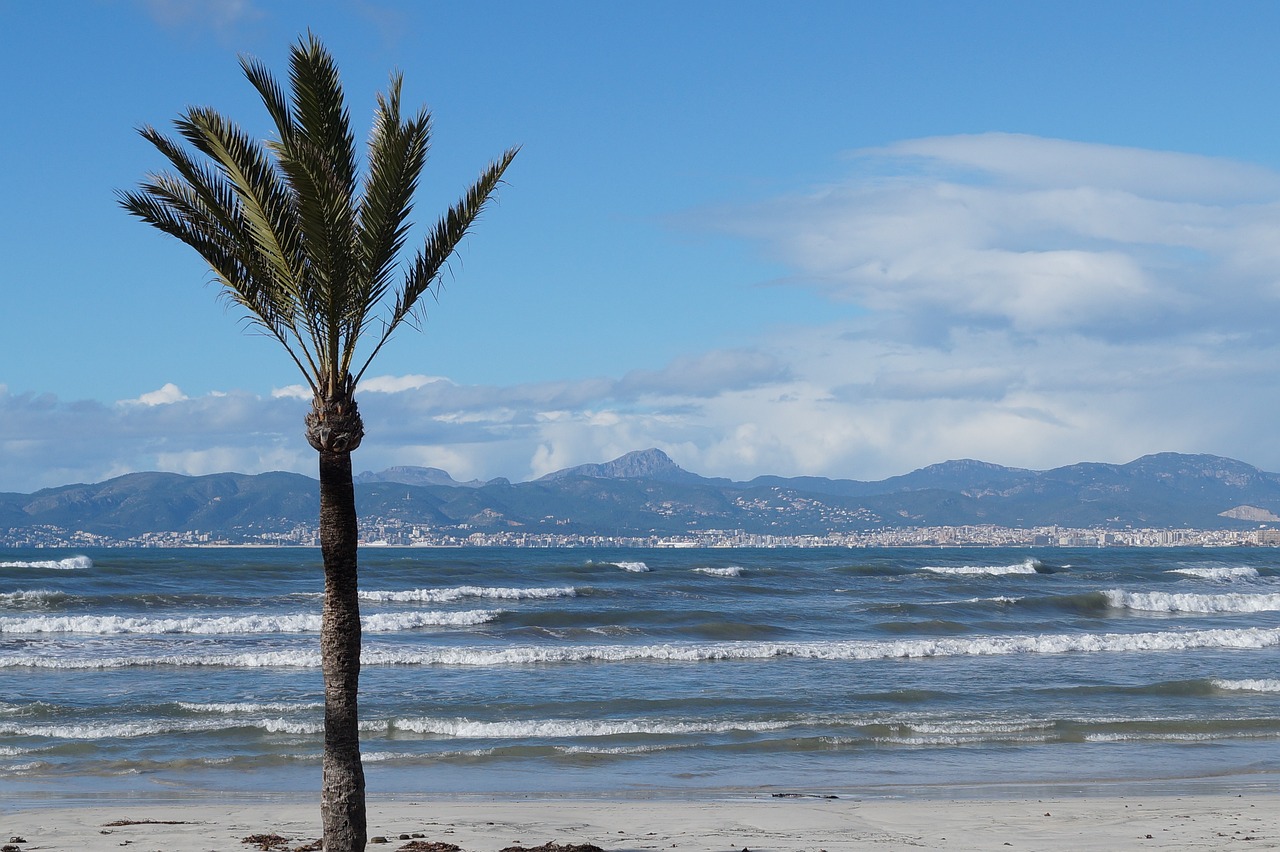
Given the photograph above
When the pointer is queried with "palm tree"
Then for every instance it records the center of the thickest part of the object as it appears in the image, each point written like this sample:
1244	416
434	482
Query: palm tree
310	249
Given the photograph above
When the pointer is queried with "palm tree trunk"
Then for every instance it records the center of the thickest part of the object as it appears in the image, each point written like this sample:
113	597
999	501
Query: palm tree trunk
342	808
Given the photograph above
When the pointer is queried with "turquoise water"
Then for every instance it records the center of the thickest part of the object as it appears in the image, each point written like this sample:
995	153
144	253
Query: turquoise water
180	672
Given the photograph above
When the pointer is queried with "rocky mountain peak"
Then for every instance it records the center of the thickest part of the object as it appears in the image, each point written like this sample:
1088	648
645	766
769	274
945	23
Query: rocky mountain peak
638	464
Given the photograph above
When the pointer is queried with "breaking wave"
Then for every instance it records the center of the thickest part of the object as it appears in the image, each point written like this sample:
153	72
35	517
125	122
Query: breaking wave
1029	566
634	567
1166	602
249	707
1225	574
454	594
556	728
1268	685
31	598
133	730
107	730
731	571
249	624
71	563
1253	638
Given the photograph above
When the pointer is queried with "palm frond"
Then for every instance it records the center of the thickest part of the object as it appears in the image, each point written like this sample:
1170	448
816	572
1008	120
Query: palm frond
397	154
265	202
204	197
439	247
295	236
171	205
273	96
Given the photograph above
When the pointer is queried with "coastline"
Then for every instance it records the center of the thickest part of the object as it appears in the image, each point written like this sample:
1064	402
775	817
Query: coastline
1120	819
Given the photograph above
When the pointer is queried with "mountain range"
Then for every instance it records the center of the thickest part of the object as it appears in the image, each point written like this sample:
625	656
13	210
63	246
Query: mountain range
646	493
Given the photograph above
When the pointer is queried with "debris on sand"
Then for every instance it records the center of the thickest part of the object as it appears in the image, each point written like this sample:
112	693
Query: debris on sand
429	846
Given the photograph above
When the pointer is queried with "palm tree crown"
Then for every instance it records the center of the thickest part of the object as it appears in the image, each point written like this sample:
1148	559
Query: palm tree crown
294	234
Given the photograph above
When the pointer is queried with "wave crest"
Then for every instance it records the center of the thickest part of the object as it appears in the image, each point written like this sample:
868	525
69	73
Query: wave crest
249	624
460	592
71	563
558	728
1253	638
1028	566
1167	602
1251	685
1221	574
731	571
31	598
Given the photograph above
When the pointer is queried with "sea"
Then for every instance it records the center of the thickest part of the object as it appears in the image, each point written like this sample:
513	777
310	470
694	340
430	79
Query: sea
190	673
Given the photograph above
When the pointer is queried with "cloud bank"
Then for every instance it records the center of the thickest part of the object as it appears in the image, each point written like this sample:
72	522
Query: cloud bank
1027	301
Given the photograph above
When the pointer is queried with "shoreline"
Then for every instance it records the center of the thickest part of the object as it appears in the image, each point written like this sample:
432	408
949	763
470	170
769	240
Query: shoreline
187	791
758	822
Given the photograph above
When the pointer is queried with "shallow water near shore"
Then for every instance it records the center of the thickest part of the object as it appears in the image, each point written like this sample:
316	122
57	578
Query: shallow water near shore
510	671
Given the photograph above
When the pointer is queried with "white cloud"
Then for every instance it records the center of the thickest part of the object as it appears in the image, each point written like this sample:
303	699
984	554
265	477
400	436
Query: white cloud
397	384
292	392
167	395
1034	235
219	459
1037	161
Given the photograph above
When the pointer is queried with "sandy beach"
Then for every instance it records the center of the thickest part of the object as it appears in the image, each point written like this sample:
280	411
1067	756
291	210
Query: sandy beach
1248	820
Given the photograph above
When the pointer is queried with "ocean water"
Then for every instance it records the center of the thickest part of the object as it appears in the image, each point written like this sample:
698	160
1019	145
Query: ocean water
196	671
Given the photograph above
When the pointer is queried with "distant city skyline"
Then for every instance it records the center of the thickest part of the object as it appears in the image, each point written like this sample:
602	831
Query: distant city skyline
836	239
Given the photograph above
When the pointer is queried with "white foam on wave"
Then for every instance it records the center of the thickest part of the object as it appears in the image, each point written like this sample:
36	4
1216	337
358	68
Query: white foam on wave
71	563
605	750
554	728
379	756
1253	638
287	726
1248	685
975	726
1175	737
954	739
1000	599
731	571
1028	566
633	567
31	598
1221	574
247	624
1167	602
249	707
163	727
27	767
107	730
454	594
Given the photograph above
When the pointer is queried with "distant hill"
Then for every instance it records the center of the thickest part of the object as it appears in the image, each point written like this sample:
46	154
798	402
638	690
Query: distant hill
651	464
416	476
647	493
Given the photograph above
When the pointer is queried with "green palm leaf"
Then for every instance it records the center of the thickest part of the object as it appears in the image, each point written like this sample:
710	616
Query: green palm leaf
308	247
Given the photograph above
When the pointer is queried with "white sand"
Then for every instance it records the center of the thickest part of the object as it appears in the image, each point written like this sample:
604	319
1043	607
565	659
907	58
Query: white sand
1216	821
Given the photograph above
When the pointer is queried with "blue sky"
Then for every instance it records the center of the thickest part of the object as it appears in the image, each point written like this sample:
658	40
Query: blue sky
834	238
